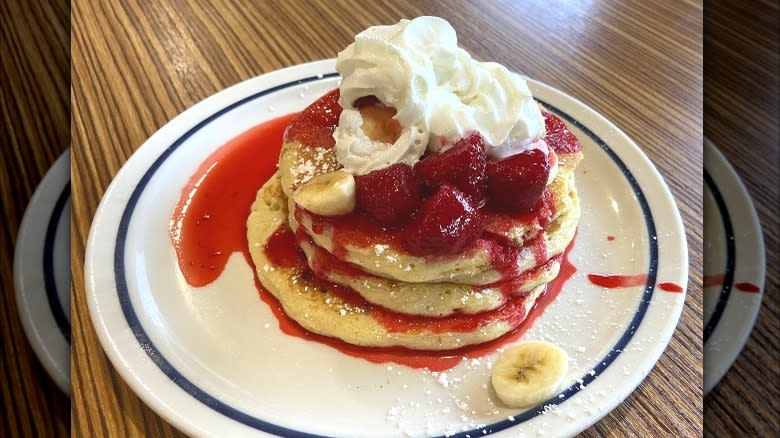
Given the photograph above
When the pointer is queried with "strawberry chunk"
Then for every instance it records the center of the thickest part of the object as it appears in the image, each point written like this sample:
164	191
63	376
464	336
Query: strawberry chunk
446	223
462	166
517	182
558	136
388	195
314	126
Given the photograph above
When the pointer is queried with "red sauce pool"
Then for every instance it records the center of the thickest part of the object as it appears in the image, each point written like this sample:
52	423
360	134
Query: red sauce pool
209	224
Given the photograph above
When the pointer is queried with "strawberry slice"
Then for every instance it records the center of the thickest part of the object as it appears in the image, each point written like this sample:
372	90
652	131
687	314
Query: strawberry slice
558	136
446	223
388	195
517	182
463	166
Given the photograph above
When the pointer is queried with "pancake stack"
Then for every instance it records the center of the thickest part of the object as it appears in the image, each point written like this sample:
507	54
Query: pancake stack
348	277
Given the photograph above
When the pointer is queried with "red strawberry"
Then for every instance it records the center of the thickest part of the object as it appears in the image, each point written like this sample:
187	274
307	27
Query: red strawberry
388	195
558	137
463	166
517	182
446	223
314	126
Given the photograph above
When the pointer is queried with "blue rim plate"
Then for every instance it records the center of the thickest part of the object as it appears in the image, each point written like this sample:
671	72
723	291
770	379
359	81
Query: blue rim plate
42	271
212	360
733	254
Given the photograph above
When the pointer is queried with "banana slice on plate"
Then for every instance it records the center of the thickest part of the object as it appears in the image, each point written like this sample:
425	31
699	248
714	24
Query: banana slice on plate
328	194
529	373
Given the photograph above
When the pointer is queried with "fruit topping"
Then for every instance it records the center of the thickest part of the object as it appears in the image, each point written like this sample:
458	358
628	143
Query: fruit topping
327	194
446	223
529	373
388	195
516	183
314	126
463	165
558	136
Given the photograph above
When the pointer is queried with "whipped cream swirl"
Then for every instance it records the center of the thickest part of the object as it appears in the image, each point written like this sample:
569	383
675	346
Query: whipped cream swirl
437	89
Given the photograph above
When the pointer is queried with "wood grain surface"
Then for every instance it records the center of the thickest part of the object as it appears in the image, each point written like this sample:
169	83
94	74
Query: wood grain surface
136	65
35	131
742	112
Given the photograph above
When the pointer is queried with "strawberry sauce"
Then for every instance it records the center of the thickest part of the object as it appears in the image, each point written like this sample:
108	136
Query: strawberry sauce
748	287
717	280
209	221
613	281
617	281
670	287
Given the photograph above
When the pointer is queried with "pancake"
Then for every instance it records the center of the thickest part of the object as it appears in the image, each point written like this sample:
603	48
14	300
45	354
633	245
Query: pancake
325	310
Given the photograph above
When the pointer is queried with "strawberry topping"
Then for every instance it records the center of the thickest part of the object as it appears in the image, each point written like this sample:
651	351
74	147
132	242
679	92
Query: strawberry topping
516	183
463	166
446	223
314	126
558	136
388	195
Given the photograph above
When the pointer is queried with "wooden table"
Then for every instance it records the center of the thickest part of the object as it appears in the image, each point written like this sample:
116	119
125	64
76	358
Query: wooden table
741	119
136	65
35	130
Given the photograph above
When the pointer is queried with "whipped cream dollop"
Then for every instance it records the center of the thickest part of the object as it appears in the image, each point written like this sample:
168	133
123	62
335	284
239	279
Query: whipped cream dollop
437	89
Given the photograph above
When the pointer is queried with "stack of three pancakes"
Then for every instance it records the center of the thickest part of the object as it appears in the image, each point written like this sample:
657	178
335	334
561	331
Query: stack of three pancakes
353	280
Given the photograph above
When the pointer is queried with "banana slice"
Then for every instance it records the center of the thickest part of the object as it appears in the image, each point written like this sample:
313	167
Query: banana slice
529	373
327	194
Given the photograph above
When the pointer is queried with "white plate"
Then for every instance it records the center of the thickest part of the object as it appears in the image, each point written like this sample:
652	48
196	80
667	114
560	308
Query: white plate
733	249
42	271
212	361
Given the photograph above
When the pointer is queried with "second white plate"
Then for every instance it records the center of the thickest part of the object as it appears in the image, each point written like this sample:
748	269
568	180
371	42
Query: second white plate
42	271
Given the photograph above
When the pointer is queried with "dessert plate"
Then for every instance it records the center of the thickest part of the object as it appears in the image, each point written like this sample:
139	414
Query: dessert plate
42	271
733	265
213	360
